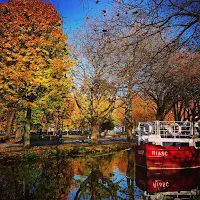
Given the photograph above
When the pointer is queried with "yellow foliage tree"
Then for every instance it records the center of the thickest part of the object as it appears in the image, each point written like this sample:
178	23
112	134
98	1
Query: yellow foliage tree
34	55
96	103
143	110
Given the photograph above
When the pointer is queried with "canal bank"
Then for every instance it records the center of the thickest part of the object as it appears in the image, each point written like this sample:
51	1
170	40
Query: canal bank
73	149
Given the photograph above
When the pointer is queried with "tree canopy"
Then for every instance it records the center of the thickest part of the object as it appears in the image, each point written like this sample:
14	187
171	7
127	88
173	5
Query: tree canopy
34	54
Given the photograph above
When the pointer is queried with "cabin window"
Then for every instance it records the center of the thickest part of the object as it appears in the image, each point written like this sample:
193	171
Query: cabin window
184	144
176	144
167	143
197	144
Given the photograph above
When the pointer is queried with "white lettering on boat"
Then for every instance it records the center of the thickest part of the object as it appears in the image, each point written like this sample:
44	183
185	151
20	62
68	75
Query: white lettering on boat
160	184
141	152
159	153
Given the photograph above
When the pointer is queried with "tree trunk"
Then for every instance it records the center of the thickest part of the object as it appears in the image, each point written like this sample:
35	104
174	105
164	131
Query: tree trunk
9	123
55	118
27	129
128	116
160	115
95	132
178	109
55	128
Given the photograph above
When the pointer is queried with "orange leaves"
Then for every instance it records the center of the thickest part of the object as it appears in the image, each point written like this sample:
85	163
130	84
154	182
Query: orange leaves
35	72
8	45
33	47
143	110
186	65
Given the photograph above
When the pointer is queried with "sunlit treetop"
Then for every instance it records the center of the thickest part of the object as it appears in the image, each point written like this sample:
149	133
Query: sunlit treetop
22	13
33	52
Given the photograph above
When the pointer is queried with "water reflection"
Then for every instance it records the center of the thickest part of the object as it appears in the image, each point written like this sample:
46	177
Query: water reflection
45	180
168	184
96	186
109	177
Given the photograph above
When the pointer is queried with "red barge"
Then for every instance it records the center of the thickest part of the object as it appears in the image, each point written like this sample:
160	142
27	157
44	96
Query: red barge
167	145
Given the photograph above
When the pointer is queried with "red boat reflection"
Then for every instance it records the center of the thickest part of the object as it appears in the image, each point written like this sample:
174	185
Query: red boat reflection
182	184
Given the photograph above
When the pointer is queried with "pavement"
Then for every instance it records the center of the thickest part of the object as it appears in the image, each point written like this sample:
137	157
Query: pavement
18	143
88	140
11	143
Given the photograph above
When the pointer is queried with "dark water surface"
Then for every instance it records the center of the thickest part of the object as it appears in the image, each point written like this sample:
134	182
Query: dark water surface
107	177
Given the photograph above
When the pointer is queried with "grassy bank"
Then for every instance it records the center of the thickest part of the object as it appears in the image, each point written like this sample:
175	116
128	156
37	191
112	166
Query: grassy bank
62	150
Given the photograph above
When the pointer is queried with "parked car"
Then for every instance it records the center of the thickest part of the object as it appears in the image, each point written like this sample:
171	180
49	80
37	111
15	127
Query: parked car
2	136
74	132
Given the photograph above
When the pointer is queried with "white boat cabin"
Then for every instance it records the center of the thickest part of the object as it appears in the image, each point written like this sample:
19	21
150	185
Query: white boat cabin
168	133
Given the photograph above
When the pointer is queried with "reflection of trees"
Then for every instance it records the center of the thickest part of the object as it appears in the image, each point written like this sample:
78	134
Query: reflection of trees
130	174
7	181
104	180
50	179
55	180
16	180
96	186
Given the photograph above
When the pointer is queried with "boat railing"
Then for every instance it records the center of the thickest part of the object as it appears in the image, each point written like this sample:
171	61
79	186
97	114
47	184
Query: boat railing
166	129
191	194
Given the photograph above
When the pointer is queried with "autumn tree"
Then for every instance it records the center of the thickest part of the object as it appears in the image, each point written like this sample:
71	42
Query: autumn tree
179	18
97	86
161	86
95	99
3	121
180	22
125	52
34	55
167	27
188	104
143	110
56	112
172	83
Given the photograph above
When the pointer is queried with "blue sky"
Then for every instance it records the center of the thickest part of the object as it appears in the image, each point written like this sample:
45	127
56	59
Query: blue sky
74	12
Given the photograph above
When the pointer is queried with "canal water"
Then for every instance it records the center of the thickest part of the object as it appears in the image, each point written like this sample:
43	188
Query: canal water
113	176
